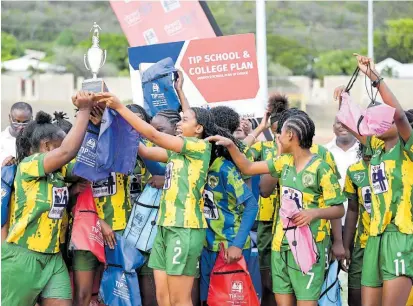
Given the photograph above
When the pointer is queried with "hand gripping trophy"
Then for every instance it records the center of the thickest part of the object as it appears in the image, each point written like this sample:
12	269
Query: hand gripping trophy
94	60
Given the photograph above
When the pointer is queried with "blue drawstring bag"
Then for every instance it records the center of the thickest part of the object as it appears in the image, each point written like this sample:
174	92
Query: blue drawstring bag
158	87
120	285
85	165
141	228
7	179
330	292
117	145
254	265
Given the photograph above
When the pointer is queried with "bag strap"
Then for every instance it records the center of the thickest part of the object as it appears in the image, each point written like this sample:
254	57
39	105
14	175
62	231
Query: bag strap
157	78
352	80
333	284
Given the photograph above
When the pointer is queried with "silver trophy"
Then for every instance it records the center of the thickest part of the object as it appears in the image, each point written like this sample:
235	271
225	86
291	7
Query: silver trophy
94	60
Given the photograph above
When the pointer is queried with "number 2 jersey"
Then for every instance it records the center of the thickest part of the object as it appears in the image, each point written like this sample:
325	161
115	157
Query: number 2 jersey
40	202
224	195
182	204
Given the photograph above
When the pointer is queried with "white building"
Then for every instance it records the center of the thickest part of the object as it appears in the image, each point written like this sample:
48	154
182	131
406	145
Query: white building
395	69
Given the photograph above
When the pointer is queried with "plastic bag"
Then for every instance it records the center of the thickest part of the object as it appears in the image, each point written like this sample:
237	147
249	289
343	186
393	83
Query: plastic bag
141	228
117	145
7	179
85	165
158	87
86	230
300	239
119	285
231	284
330	292
375	120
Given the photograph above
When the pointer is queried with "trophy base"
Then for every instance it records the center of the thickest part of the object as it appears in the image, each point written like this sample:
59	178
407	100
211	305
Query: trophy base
94	85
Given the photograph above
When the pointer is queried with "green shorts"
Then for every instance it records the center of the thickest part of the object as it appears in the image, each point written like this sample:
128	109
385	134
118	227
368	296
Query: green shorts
85	260
264	240
177	250
354	271
288	279
25	274
387	257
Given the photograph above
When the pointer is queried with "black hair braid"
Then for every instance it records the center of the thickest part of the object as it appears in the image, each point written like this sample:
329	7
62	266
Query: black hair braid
304	127
60	120
205	118
171	115
226	118
29	139
360	151
287	114
137	109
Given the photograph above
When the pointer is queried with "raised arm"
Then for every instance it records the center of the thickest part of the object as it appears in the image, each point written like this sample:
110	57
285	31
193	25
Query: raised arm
178	87
244	165
252	137
163	140
367	66
59	157
153	153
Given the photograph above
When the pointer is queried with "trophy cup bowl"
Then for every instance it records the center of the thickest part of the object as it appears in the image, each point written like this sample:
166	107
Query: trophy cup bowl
94	59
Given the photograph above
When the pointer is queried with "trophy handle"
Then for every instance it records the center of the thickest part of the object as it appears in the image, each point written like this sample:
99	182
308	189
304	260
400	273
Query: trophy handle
84	60
103	59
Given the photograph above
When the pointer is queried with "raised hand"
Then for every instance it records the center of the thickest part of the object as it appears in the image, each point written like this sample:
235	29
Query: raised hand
109	99
179	82
366	66
83	100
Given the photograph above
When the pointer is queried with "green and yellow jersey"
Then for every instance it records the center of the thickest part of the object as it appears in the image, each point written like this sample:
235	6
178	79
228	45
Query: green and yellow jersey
40	203
357	187
316	186
327	156
391	180
263	151
112	199
224	195
182	204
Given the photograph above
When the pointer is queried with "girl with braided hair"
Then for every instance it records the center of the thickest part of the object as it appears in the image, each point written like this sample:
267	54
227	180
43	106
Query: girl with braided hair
230	207
32	248
387	269
308	180
181	224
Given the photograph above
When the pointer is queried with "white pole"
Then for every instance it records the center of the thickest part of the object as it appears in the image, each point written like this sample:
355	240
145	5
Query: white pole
370	29
261	29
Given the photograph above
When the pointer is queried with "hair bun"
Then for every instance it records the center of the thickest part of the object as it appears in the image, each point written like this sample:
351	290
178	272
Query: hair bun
43	118
60	116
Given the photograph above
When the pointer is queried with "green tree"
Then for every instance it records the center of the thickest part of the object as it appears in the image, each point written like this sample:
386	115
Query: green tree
10	47
116	46
396	41
289	53
336	62
66	38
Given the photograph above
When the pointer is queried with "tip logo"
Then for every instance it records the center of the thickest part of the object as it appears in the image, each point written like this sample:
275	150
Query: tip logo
91	143
237	287
155	87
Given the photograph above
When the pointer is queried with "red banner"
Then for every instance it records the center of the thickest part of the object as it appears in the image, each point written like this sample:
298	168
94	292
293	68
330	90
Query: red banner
163	21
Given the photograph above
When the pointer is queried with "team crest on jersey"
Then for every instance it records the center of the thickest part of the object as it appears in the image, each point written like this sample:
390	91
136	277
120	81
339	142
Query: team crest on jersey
359	177
308	179
213	181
